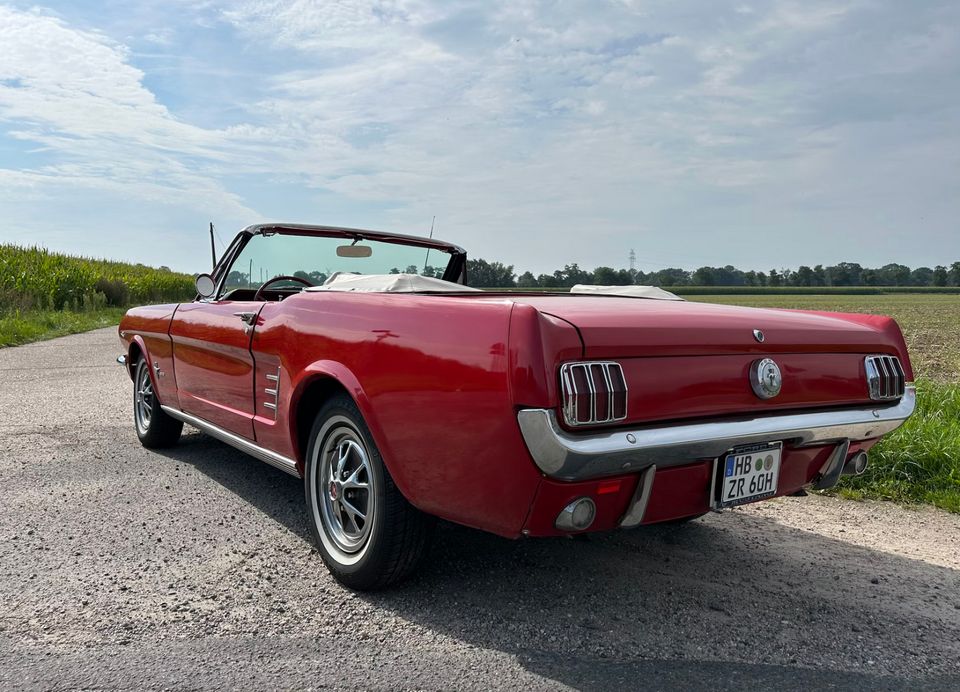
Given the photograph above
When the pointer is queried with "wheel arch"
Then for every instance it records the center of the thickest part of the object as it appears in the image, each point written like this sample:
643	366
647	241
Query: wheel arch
135	350
318	383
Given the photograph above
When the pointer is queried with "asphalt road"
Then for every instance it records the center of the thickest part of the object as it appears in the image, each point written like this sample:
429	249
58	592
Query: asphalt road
192	568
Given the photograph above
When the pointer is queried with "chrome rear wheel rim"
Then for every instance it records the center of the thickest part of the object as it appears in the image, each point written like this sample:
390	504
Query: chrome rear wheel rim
143	399
345	488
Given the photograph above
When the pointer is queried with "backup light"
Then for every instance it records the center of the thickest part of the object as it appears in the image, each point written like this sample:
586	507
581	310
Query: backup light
577	516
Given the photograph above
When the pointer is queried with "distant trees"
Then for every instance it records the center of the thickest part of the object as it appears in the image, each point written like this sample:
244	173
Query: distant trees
486	274
954	274
316	278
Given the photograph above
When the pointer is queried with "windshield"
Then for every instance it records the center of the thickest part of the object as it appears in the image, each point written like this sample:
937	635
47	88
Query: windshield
317	258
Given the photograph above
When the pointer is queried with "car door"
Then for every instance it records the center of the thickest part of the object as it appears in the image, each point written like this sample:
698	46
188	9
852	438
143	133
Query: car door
213	363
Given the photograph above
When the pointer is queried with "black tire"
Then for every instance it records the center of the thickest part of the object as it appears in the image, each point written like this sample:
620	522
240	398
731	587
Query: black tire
154	427
367	533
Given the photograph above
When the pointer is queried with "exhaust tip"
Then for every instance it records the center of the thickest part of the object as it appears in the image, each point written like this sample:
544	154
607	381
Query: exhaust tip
577	516
856	464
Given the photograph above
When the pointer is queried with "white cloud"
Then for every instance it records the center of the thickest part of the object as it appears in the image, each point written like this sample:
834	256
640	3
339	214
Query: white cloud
517	123
85	103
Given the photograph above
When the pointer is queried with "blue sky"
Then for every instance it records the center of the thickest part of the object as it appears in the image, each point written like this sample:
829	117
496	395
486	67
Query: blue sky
759	134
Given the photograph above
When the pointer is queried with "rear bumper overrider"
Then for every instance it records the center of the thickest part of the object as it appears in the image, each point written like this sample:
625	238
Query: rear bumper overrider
576	456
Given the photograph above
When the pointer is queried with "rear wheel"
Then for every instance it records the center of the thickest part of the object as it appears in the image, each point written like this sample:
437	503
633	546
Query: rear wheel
368	534
154	427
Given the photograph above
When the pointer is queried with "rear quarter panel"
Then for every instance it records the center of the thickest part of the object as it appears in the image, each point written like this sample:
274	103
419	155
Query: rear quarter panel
886	327
431	376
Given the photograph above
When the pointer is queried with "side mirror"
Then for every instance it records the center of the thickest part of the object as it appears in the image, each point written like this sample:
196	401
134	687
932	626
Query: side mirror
205	285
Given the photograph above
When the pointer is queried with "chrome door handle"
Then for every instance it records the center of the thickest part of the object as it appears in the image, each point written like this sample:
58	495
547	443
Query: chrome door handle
247	317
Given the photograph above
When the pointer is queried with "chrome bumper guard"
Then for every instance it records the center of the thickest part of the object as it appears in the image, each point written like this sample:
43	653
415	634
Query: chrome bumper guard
573	457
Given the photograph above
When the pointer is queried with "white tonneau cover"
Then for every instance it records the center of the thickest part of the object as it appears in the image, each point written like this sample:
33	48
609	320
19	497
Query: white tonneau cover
389	283
651	292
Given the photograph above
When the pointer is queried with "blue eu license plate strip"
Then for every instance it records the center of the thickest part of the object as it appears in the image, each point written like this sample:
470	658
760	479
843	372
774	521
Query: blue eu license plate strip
750	474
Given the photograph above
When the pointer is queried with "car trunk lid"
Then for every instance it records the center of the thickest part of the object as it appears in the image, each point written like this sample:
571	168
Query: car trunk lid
686	360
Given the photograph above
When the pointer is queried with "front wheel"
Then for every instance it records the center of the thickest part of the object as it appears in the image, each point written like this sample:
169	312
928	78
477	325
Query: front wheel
368	534
154	427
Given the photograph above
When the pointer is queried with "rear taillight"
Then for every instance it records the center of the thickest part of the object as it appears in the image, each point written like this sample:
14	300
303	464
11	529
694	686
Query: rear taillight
593	393
885	377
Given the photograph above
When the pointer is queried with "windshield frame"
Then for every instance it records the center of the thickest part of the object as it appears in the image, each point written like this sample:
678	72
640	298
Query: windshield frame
455	272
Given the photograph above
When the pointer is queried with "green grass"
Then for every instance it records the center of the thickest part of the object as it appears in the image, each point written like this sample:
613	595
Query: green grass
37	325
920	461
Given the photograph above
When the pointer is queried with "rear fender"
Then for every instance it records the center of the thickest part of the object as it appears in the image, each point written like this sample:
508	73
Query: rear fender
342	375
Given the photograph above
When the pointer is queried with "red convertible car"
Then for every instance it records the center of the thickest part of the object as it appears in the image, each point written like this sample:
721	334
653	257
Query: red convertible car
401	395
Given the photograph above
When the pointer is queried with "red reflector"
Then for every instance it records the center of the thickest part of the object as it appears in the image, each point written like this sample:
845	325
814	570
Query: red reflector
608	487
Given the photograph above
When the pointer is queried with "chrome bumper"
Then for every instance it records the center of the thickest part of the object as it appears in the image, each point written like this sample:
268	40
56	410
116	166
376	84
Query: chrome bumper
571	457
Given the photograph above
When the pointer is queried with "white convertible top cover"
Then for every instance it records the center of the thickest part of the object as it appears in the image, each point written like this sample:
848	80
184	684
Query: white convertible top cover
389	283
651	292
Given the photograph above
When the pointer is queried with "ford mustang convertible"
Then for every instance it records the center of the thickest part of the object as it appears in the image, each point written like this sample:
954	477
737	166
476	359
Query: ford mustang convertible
363	363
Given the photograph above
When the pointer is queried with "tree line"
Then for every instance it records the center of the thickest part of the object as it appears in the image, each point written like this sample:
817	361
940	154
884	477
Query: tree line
484	274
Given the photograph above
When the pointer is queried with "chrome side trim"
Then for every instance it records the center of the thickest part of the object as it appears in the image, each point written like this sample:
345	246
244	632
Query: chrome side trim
276	460
273	392
831	470
641	496
568	456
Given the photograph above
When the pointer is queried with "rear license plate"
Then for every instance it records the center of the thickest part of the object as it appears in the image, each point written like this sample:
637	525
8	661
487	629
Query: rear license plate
749	474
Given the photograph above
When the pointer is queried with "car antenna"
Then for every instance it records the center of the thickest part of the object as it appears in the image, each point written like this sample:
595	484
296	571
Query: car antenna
213	247
427	258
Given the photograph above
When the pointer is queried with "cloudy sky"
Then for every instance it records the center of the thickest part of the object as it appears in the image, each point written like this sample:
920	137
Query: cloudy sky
760	134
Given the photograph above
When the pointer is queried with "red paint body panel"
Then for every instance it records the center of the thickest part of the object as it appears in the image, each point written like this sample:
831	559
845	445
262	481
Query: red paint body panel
147	327
680	491
675	388
439	380
613	327
433	373
214	366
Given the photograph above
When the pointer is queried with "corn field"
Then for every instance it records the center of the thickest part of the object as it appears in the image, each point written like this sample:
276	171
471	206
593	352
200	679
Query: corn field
33	278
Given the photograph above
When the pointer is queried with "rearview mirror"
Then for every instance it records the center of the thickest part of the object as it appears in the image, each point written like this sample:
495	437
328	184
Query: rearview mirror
354	251
205	285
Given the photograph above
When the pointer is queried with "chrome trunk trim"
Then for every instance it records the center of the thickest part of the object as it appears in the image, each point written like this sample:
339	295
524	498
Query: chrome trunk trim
276	460
567	456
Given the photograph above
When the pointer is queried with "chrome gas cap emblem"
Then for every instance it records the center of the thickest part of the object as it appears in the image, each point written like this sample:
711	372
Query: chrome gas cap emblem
758	335
765	378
